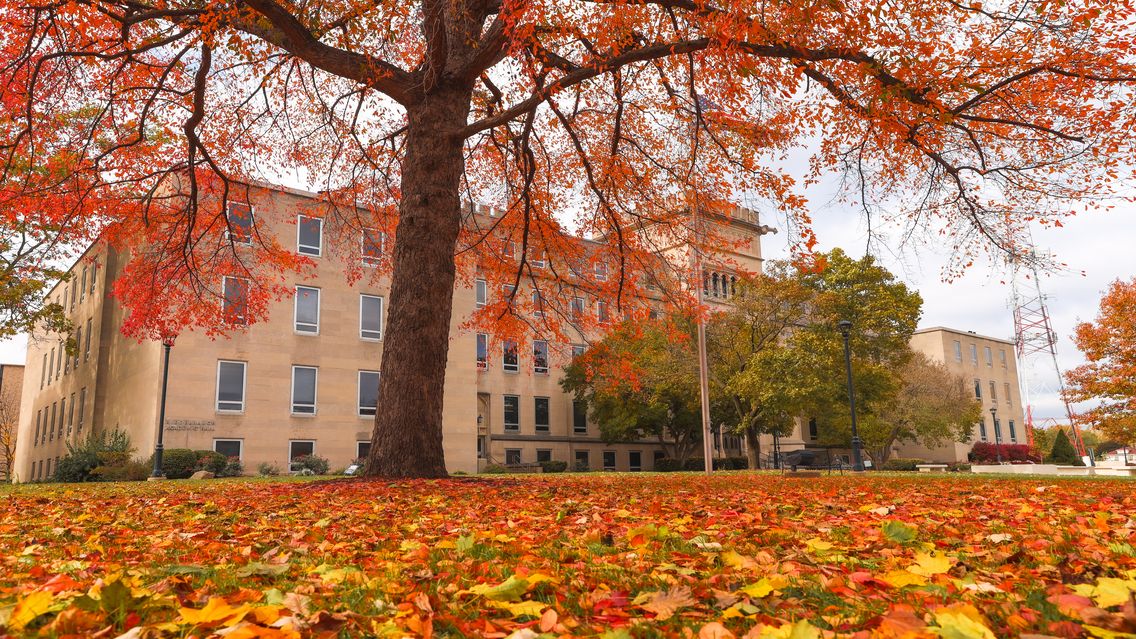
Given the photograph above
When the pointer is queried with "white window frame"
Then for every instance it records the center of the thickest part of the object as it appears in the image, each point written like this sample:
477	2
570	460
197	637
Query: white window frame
547	426
537	303
511	427
538	262
87	344
510	249
244	388
299	441
372	260
989	356
482	364
292	393
359	408
296	311
974	354
252	225
382	308
300	246
241	320
1002	356
614	460
516	365
359	443
541	370
480	293
240	442
603	316
958	350
601	271
577	306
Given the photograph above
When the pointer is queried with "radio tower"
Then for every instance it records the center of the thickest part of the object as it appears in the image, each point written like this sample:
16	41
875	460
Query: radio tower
1034	335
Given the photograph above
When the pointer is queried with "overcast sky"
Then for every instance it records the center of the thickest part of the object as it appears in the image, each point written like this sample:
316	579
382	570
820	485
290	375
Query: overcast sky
1099	244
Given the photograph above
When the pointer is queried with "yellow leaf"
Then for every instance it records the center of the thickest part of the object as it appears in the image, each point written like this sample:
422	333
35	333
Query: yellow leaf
734	560
29	608
928	564
818	545
521	609
445	544
961	622
903	578
763	587
509	590
1108	592
216	611
665	603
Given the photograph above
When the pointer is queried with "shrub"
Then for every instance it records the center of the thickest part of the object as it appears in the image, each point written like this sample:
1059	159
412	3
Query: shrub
211	461
233	468
986	452
902	464
554	466
76	466
178	463
728	463
313	464
267	469
668	465
495	469
1063	452
126	470
99	449
961	467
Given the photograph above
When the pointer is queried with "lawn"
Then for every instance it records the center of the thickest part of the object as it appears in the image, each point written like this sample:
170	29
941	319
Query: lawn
608	555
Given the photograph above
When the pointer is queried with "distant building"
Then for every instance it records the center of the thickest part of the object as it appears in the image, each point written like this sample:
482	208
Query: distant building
990	367
11	386
305	381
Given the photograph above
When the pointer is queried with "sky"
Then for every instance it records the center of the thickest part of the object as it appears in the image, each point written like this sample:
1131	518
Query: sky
1097	247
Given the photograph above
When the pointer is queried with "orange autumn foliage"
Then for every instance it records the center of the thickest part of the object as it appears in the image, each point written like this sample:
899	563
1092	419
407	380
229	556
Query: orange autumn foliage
1109	375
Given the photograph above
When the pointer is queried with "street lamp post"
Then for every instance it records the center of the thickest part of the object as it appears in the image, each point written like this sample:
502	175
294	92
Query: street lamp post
845	327
167	343
997	433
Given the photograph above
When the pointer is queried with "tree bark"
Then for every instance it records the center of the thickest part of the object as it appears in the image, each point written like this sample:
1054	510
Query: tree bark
753	447
407	437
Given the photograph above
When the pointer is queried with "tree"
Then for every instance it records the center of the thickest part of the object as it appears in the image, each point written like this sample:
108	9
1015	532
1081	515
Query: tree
932	406
1063	451
9	422
976	118
1109	374
642	381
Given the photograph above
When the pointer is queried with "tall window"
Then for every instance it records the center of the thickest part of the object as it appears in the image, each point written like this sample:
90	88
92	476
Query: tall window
512	404
974	354
307	310
368	392
362	449
94	272
509	356
813	428
540	414
482	351
82	406
510	249
989	357
51	429
59	363
83	285
993	391
536	258
635	461
51	366
309	235
230	386
577	306
601	272
39	423
240	217
538	304
582	460
87	343
982	429
540	357
74	285
372	245
977	389
1002	356
579	417
1013	432
78	346
234	307
609	460
481	292
997	429
43	374
958	351
601	311
71	415
304	390
370	317
1006	387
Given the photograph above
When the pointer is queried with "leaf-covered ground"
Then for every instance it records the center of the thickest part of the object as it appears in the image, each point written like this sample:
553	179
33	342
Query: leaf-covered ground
573	555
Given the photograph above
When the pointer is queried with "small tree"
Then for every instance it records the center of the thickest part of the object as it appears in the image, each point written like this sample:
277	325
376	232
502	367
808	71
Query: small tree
9	414
1063	452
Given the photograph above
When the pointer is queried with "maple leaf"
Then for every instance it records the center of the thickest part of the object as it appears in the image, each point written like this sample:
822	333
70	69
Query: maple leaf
509	590
216	611
1108	591
929	564
898	531
665	603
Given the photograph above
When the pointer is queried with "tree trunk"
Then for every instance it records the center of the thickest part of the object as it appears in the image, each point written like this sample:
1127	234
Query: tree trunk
753	447
407	438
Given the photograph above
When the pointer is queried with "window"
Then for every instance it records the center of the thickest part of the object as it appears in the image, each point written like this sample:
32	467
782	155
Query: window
512	404
540	357
1006	387
39	421
50	366
1013	432
59	363
1002	356
509	290
78	346
309	235
536	258
601	272
582	460
958	351
989	357
543	455
510	249
974	354
609	460
578	350
579	416
362	450
307	310
82	404
368	392
240	218
87	343
538	304
482	351
298	449
94	271
993	391
512	456
481	293
304	390
601	310
813	428
83	286
509	356
977	389
576	307
230	448
234	307
540	414
66	358
370	317
74	284
982	429
71	415
372	245
43	374
230	386
997	429
635	461
51	424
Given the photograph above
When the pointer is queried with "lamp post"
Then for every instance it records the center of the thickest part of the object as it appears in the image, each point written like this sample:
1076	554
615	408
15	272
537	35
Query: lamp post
997	433
167	343
857	462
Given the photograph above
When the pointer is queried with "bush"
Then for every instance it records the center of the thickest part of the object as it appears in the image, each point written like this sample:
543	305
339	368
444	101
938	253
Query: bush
233	468
76	466
902	464
728	463
495	469
267	469
127	470
178	463
986	452
961	467
554	466
668	465
211	461
100	449
1063	452
310	465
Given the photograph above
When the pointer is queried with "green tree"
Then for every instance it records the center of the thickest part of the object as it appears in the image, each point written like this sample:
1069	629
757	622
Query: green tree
1063	452
641	381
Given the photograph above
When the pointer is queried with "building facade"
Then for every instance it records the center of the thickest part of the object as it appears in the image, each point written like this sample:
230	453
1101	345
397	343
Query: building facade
990	366
305	380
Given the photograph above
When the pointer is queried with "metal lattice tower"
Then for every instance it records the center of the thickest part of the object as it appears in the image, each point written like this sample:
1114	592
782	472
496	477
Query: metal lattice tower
1034	335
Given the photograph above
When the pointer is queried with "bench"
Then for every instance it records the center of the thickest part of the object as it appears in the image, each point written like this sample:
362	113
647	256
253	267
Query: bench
931	468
